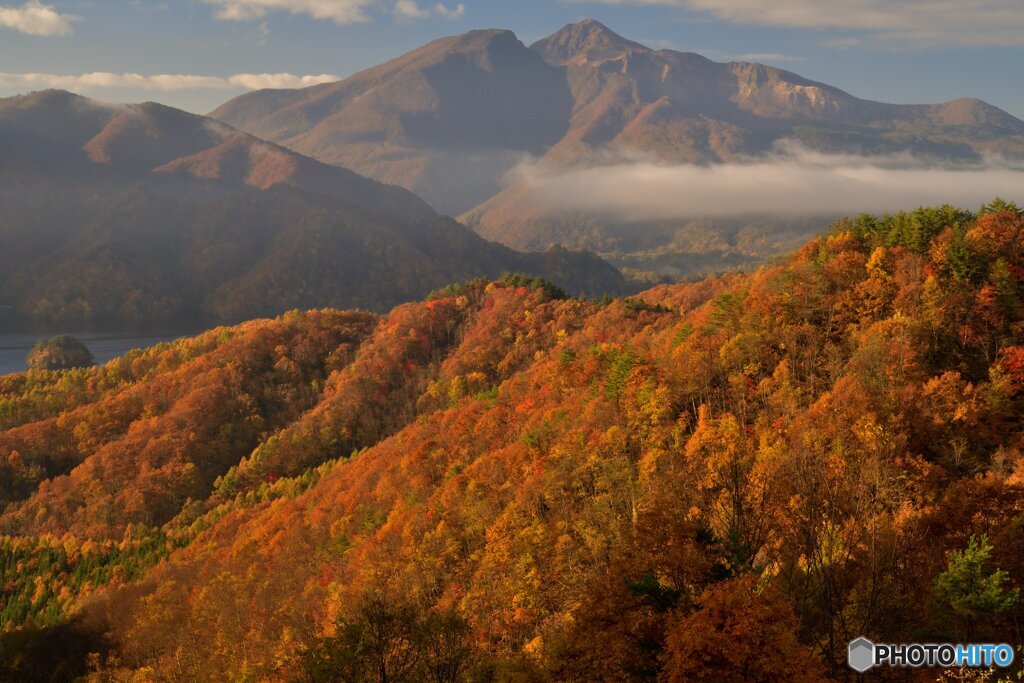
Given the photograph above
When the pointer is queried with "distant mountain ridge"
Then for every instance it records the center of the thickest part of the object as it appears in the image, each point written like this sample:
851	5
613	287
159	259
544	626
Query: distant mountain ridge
75	139
446	119
454	120
145	211
575	96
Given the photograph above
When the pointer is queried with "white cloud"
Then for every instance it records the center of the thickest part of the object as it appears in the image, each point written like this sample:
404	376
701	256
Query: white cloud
277	81
409	9
36	19
909	23
160	82
339	11
792	181
452	14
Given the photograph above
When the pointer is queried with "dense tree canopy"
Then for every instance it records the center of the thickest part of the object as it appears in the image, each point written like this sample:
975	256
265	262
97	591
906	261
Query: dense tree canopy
503	484
62	352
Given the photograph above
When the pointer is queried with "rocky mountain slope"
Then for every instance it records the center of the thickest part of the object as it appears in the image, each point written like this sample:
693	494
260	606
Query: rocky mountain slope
451	119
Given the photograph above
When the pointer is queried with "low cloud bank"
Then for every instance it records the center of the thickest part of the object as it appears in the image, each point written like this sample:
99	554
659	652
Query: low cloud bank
790	182
902	24
160	82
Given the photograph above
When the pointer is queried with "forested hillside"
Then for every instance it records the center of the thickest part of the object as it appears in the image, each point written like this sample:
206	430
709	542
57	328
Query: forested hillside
163	214
722	481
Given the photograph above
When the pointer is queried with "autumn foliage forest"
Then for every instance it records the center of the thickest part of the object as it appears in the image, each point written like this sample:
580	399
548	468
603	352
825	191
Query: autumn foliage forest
720	481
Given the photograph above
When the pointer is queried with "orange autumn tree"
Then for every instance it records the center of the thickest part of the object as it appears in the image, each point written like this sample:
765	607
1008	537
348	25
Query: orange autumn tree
738	634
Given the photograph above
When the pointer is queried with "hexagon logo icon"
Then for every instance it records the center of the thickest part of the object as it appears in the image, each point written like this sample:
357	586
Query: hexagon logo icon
861	655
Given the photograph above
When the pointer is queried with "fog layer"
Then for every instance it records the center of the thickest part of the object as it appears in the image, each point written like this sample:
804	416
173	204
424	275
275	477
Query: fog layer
791	181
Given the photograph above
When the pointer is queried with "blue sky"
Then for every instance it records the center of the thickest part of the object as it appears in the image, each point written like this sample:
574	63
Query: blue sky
207	51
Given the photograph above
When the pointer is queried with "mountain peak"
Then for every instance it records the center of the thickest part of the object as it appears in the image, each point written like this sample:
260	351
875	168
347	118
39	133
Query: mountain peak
587	41
476	42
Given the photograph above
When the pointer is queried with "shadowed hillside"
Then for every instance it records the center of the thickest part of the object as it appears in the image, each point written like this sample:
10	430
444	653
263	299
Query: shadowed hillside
166	214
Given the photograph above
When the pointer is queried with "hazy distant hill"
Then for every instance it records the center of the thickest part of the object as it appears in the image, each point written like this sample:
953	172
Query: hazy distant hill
145	211
445	120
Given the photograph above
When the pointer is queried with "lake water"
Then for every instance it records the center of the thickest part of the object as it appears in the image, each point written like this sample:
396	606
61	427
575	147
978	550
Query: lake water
106	341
